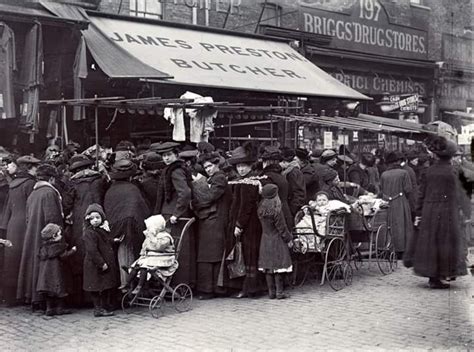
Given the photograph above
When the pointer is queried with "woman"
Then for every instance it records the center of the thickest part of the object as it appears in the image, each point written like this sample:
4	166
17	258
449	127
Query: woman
243	220
126	210
14	220
330	185
85	187
439	250
213	215
172	201
42	207
396	187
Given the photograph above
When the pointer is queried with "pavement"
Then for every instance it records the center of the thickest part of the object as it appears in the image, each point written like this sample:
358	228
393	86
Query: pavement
393	312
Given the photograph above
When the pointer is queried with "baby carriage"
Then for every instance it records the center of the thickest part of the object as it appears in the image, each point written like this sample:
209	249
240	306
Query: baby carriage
312	249
371	239
159	289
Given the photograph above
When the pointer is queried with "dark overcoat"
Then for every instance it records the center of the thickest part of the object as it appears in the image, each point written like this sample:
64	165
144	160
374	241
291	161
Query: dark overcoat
14	223
312	180
274	253
212	224
243	214
396	187
149	187
83	190
296	188
42	207
52	270
174	198
99	250
439	247
273	172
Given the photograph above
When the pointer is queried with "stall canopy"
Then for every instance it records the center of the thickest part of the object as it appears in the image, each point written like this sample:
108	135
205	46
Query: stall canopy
223	59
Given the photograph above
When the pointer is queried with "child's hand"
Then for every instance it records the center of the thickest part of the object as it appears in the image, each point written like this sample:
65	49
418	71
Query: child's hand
74	249
117	240
290	244
105	267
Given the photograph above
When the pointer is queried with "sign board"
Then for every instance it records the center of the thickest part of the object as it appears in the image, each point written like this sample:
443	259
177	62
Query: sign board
328	140
457	49
364	26
455	95
408	104
221	59
343	139
376	84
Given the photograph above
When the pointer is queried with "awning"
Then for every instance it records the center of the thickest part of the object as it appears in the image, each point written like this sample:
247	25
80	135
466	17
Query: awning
113	60
218	58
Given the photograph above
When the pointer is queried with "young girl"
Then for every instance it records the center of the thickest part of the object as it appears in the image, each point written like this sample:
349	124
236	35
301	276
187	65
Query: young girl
157	254
51	277
274	259
100	264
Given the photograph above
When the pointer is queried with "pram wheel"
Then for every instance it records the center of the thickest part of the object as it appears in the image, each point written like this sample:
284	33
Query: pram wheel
393	261
336	277
127	302
182	298
383	250
155	306
347	273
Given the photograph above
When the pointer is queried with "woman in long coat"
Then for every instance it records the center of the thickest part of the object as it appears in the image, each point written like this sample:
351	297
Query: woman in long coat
213	215
126	211
395	186
86	186
42	207
244	222
439	248
173	202
14	223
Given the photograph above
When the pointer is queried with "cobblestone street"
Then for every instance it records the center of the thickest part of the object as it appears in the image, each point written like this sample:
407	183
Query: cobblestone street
394	312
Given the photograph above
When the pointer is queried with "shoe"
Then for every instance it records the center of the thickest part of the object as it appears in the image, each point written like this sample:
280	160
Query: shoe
50	312
205	296
102	313
438	284
62	311
272	295
282	295
241	294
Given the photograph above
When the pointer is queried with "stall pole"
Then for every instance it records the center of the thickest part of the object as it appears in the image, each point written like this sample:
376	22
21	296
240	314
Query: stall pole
344	167
64	126
271	129
230	133
60	123
96	116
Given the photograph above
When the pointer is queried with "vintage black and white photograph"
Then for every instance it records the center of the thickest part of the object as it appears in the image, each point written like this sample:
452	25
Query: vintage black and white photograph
236	175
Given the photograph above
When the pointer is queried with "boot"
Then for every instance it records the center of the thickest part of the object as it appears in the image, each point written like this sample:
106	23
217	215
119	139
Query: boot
60	310
141	282
50	306
131	276
280	294
436	283
271	285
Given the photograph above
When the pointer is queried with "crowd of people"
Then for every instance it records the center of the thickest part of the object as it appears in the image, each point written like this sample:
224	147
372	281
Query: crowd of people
77	228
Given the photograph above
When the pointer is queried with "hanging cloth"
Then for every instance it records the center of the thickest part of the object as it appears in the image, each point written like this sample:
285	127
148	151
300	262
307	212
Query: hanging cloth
7	67
32	77
201	121
80	74
176	118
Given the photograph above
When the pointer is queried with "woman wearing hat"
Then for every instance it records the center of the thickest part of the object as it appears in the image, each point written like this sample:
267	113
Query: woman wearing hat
126	210
295	179
439	252
396	186
86	186
310	173
173	202
243	221
151	165
42	207
213	216
330	185
14	221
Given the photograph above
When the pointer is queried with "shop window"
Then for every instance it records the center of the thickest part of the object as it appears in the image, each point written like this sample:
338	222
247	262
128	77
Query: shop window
146	8
271	14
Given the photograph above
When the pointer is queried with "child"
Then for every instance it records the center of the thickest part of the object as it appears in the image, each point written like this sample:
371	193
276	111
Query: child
51	278
157	254
100	263
320	210
274	258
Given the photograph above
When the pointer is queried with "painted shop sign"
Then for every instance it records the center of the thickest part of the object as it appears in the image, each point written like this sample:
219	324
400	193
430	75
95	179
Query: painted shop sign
456	95
372	84
364	26
457	49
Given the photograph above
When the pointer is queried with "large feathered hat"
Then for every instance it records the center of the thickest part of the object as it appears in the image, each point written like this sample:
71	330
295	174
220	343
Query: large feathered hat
244	154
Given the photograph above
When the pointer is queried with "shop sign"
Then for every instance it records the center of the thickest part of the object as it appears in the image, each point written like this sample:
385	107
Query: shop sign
377	84
455	95
364	26
408	104
218	5
328	140
457	49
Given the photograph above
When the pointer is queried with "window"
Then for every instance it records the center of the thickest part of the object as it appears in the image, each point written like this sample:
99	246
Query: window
146	8
271	15
417	2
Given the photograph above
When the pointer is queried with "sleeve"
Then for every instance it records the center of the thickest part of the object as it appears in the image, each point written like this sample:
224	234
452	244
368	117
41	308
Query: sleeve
216	190
69	196
52	211
281	227
7	213
354	176
297	191
248	204
66	254
180	184
92	249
